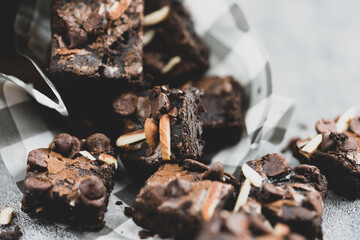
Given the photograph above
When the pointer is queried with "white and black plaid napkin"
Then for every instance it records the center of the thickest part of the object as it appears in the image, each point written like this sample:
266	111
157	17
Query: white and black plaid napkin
235	50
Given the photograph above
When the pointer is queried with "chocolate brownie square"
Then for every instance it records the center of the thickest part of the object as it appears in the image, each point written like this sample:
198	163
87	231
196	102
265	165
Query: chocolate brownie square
178	198
160	124
284	195
223	119
96	40
335	151
70	181
240	225
173	52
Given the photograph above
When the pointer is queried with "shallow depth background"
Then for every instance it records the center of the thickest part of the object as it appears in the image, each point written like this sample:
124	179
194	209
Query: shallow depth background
315	59
314	49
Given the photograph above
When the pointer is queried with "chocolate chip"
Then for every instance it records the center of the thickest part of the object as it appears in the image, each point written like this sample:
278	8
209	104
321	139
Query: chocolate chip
275	165
324	125
215	172
95	23
178	187
125	104
92	188
66	145
37	186
327	143
354	125
37	159
349	144
98	143
160	106
143	108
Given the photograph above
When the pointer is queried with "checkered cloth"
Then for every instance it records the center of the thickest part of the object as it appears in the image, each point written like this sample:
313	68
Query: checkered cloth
235	50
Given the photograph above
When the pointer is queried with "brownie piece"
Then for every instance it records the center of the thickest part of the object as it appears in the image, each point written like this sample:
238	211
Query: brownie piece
336	154
173	52
70	181
96	40
240	225
178	198
223	118
11	235
160	124
290	196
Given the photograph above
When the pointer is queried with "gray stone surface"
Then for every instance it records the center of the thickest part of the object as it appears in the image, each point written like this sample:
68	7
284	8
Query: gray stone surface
315	59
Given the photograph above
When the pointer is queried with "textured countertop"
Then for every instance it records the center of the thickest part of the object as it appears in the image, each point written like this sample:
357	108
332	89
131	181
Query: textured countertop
315	57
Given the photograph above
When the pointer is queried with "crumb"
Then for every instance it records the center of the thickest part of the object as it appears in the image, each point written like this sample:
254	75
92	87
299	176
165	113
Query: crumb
145	234
12	235
119	203
291	145
128	211
303	126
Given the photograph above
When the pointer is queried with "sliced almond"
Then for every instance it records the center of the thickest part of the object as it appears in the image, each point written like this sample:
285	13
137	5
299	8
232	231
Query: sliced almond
243	195
87	155
171	63
130	138
66	51
252	175
342	124
281	229
148	36
118	8
108	159
151	132
6	215
73	201
165	136
311	146
157	16
211	200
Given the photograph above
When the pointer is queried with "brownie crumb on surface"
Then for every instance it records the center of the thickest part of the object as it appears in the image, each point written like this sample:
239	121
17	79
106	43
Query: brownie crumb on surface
119	203
146	234
11	235
129	212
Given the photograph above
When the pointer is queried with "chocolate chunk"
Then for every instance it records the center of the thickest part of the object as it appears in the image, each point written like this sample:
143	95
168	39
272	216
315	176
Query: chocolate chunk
95	23
327	143
125	104
37	186
276	165
97	143
354	125
178	187
11	235
92	188
37	157
76	37
154	196
161	105
324	125
215	172
63	20
66	145
315	200
349	144
272	192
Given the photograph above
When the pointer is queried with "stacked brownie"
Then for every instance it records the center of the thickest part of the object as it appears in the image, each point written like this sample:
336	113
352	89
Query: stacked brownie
121	67
71	181
335	151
